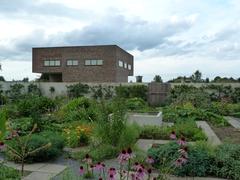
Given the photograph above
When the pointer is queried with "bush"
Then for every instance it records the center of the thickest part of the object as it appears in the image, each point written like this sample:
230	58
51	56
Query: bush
138	91
22	125
136	104
32	105
188	111
38	140
188	129
98	154
223	108
227	161
77	90
9	173
199	159
79	109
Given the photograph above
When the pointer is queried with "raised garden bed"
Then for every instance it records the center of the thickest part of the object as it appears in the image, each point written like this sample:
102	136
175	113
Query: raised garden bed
151	118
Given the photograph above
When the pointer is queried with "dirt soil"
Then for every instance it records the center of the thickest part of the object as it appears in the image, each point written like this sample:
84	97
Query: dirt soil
227	134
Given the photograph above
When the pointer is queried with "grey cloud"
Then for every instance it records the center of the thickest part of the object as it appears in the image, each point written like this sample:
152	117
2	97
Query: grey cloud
28	8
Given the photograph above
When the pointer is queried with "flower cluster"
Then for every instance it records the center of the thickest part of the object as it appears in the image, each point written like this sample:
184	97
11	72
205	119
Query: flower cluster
126	171
183	151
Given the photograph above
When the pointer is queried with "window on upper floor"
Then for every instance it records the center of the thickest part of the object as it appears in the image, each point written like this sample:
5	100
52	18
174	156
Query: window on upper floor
94	62
125	65
52	62
120	63
72	62
129	67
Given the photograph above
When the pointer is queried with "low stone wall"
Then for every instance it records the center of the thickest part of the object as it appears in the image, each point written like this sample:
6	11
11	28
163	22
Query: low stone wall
145	119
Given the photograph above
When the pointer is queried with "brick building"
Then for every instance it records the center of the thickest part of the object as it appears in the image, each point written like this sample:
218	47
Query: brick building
103	63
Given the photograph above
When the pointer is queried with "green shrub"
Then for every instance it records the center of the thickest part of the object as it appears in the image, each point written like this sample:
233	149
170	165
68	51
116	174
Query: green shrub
223	108
8	173
99	153
136	104
227	161
38	140
77	90
132	91
188	129
199	159
79	109
188	111
32	105
23	125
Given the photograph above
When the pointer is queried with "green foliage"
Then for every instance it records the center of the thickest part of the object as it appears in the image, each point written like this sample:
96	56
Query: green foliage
199	159
227	161
110	127
157	78
79	109
136	104
188	111
34	90
36	141
223	108
22	125
77	90
139	91
3	120
98	154
9	173
129	136
188	129
183	94
100	92
16	92
32	105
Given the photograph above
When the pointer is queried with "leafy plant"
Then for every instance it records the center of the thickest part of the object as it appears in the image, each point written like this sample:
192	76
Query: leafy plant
77	90
9	173
131	91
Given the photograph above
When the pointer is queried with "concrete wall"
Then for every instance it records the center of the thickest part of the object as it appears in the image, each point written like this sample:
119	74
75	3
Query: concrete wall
61	89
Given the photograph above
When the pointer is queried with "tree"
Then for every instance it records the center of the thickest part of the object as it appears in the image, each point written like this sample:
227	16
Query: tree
207	80
197	76
52	90
158	78
26	79
2	78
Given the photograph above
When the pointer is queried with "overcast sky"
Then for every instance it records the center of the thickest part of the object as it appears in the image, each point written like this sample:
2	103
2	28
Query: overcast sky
166	37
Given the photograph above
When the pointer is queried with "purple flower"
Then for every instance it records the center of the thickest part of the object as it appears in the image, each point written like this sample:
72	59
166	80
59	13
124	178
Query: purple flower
183	151
81	170
149	160
99	166
178	162
88	159
173	135
123	157
182	141
2	145
140	174
111	174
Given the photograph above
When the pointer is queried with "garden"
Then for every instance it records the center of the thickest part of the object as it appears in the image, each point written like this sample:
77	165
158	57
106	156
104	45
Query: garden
92	137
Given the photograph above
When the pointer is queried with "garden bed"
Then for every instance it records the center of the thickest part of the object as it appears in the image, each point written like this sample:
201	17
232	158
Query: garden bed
228	134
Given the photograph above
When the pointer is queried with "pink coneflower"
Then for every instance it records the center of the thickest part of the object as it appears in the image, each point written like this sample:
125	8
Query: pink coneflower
178	162
111	174
123	157
173	135
111	177
81	170
100	178
149	160
88	159
140	174
2	145
99	166
149	171
183	159
136	166
183	151
182	141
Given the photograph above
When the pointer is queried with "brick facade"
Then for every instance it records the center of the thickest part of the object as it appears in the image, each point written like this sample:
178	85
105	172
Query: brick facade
109	71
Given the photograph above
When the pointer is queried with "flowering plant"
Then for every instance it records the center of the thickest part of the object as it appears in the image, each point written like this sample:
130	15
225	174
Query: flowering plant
77	135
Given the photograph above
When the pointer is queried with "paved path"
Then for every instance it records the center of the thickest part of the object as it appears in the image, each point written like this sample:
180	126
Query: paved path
212	137
40	171
145	144
235	122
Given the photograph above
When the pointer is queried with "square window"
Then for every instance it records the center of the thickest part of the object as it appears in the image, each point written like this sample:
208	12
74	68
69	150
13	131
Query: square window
93	62
46	63
51	63
100	62
57	62
69	63
87	62
75	62
120	63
